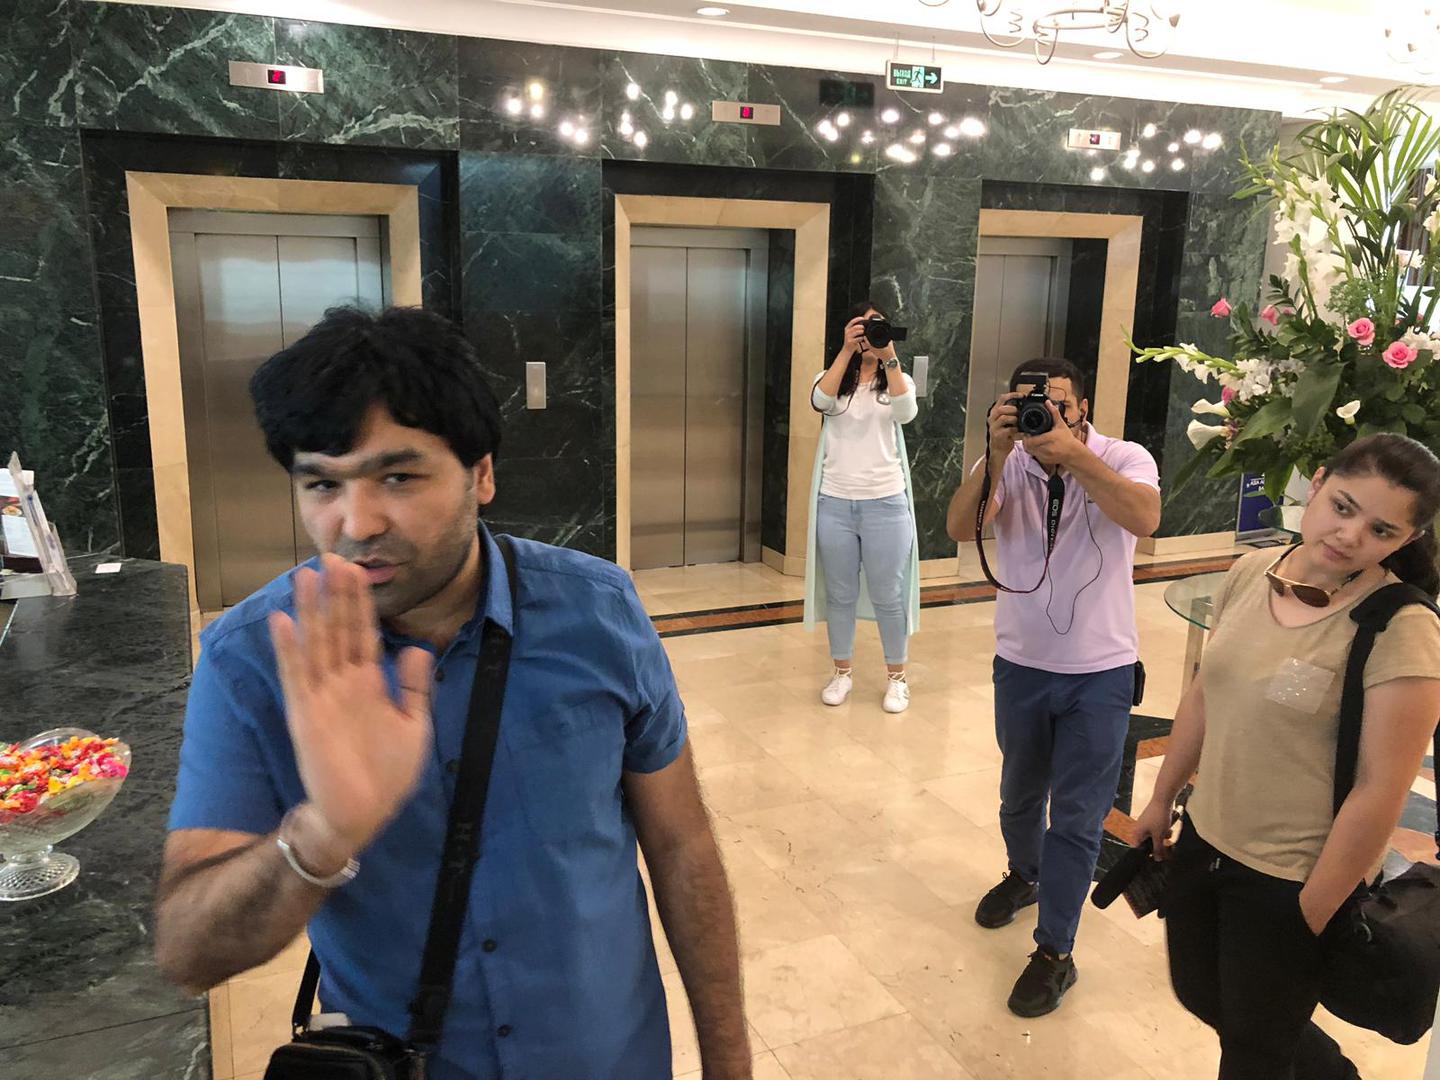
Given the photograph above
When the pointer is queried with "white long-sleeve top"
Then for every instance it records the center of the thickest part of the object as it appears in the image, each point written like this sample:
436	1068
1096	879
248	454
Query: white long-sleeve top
861	456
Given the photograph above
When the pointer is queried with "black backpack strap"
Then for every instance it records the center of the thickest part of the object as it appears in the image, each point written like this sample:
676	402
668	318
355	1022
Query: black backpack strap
462	848
1372	615
462	837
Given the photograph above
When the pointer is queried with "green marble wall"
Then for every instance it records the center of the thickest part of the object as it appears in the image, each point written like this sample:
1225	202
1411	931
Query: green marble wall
532	214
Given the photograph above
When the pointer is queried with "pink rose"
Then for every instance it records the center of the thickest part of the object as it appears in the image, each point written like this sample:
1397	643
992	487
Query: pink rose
1363	331
1227	395
1221	310
1270	315
1400	356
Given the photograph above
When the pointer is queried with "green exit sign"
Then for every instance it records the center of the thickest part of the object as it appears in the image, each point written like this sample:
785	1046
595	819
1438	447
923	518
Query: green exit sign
920	78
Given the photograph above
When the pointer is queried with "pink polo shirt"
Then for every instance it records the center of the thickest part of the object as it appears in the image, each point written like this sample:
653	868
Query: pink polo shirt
1103	634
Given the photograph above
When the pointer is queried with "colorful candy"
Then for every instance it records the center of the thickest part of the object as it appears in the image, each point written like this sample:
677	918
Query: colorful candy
29	778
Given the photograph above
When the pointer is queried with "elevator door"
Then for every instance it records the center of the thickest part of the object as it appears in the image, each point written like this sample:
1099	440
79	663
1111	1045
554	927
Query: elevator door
697	307
246	286
1022	289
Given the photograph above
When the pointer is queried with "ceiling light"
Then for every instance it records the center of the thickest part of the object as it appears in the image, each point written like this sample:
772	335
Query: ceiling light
627	128
828	130
1178	164
942	149
1333	80
1109	54
972	127
1192	137
567	128
513	106
1149	28
712	12
855	159
936	119
868	138
952	132
917	137
1213	141
896	152
1148	132
1129	162
843	119
890	116
641	139
1173	147
687	111
667	114
537	111
1147	166
537	91
1097	174
632	91
672	98
581	136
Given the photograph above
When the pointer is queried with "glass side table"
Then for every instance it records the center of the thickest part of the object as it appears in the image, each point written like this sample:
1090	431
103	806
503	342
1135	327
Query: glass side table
1192	598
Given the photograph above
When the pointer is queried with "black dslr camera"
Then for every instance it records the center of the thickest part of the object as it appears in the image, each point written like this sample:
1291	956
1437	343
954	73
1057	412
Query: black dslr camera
1034	407
880	333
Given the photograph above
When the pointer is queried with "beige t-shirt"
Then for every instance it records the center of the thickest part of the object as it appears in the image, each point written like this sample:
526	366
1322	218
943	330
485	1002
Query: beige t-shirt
1265	789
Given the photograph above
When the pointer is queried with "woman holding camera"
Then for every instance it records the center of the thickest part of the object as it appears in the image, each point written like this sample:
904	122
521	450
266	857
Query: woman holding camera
1263	863
862	519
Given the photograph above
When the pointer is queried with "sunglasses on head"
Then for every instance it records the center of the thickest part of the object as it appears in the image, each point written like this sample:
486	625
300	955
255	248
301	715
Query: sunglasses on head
1309	595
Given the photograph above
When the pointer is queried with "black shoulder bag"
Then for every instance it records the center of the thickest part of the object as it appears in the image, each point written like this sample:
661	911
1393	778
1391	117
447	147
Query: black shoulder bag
1383	965
368	1053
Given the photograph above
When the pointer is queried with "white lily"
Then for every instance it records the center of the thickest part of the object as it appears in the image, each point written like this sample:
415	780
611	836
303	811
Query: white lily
1348	412
1210	408
1201	435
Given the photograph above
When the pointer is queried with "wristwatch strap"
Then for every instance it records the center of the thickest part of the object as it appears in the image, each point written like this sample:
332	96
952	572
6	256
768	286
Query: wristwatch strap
891	365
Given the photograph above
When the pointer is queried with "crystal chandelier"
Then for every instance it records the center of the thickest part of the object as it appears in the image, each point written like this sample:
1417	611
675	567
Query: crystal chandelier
1147	26
1412	36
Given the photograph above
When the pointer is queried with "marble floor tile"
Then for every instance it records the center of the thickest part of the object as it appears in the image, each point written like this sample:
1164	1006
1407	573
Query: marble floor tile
260	1018
811	988
975	795
895	1048
765	1066
222	1057
751	785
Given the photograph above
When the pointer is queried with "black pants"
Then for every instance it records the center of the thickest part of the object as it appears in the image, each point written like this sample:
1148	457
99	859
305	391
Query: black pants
1243	960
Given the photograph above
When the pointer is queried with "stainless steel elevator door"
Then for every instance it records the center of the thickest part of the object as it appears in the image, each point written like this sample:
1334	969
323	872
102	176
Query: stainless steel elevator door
697	374
246	286
1022	291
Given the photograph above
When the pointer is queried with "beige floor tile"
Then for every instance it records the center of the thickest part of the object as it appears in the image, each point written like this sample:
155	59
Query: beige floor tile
289	961
719	742
260	1018
959	866
222	1061
847	772
769	910
799	991
751	785
765	1068
974	795
901	818
895	1048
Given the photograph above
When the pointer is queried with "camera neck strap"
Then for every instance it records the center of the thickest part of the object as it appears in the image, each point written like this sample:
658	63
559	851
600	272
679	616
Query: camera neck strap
1054	507
462	835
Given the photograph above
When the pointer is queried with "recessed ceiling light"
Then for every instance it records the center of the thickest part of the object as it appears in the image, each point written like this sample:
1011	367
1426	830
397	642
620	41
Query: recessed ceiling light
1174	146
712	12
632	90
868	138
1108	54
1148	132
1192	137
972	127
1212	141
687	111
641	139
890	116
581	136
1177	164
917	137
537	112
1097	174
896	152
567	128
513	106
1147	166
942	149
672	98
537	91
1331	80
952	132
842	119
936	119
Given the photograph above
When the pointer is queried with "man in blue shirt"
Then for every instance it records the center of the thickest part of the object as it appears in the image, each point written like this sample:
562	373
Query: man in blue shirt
323	737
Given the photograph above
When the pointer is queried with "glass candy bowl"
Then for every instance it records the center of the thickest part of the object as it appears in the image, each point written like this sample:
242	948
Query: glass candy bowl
29	867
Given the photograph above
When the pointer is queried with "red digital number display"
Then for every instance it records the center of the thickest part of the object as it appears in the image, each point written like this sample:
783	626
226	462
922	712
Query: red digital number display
275	77
747	112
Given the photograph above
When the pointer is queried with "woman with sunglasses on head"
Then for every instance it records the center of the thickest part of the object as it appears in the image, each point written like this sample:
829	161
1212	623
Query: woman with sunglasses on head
1263	863
862	509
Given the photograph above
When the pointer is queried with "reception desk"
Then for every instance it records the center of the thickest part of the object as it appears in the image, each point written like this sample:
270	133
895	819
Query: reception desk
80	995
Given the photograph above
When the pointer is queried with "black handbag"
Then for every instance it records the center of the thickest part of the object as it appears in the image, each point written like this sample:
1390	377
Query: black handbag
1383	959
368	1053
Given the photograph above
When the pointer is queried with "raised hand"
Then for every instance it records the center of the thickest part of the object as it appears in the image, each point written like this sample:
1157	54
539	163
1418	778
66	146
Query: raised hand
359	752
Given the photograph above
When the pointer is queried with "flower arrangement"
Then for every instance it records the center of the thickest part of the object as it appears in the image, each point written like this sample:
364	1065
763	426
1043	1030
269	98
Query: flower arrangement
1343	346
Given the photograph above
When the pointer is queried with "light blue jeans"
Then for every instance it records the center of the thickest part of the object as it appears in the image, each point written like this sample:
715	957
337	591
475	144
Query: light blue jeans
873	535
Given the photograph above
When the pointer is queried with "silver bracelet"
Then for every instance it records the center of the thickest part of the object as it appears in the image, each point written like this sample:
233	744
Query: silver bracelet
334	881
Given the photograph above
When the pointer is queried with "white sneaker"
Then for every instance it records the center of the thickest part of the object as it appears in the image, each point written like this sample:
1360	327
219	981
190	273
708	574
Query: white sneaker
897	694
838	688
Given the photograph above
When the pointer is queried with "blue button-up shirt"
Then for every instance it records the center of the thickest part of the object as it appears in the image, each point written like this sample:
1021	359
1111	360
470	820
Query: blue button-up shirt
556	975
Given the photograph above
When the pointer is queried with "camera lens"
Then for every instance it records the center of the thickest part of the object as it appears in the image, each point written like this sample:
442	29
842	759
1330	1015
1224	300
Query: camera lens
1034	418
878	332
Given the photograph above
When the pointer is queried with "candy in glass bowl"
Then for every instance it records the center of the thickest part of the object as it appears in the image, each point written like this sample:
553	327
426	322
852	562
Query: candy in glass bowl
51	786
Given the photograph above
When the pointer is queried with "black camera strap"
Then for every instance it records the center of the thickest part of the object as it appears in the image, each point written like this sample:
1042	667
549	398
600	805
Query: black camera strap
462	835
1054	506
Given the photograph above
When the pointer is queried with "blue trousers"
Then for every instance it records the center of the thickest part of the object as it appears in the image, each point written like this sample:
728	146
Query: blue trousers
1063	741
874	535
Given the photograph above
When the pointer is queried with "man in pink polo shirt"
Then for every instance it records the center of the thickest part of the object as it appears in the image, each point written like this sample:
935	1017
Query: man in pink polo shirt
1065	655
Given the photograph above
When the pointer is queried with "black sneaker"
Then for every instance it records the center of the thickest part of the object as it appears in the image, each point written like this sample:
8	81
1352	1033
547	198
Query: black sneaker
1000	904
1042	984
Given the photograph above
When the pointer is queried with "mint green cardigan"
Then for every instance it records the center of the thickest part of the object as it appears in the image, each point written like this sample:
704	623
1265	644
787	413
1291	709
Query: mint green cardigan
815	598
